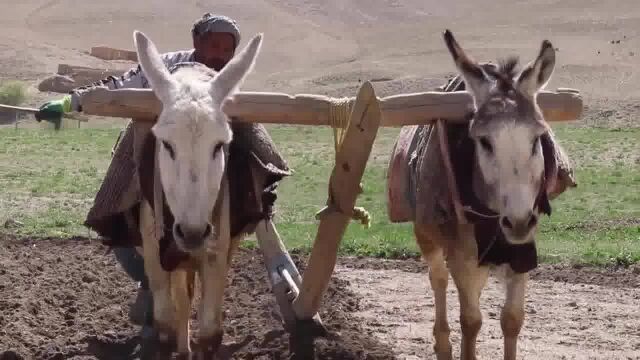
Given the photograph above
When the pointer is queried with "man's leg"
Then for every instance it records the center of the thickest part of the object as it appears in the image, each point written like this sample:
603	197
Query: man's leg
133	265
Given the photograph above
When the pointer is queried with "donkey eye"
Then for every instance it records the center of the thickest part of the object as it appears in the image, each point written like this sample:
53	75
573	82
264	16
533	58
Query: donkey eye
169	149
486	145
217	149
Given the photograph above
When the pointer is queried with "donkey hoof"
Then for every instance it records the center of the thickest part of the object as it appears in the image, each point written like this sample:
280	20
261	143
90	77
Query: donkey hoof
303	335
311	328
165	336
157	343
150	349
209	345
166	341
444	355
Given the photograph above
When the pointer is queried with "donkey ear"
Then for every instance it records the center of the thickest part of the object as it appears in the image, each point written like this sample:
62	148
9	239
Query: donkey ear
474	77
537	74
153	67
233	74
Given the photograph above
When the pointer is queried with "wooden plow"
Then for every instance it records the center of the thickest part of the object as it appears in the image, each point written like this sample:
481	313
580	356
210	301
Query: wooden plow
299	297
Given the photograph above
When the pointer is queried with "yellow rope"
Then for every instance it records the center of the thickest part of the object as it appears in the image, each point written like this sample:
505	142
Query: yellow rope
362	215
339	118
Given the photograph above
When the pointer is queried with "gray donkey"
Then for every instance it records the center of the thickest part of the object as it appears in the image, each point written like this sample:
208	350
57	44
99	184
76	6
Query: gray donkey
505	168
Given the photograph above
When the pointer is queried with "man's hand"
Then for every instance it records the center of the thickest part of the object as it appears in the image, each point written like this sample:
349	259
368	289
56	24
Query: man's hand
53	110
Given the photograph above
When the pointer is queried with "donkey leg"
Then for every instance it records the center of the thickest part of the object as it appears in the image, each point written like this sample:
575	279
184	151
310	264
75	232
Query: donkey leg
214	264
159	280
213	274
180	287
512	315
439	278
213	277
470	279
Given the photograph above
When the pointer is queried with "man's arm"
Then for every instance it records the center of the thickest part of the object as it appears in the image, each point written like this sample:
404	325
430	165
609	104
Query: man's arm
53	110
134	78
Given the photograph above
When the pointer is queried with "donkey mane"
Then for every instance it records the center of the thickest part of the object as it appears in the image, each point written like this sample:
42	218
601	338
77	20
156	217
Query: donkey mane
505	73
509	66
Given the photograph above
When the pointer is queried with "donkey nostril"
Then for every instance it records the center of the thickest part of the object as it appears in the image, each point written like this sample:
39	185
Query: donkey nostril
533	220
179	231
207	231
506	223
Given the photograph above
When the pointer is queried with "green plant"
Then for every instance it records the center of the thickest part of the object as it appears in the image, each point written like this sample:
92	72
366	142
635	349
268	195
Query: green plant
13	93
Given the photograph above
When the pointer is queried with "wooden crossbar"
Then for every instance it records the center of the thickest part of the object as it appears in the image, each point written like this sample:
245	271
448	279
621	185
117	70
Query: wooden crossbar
305	109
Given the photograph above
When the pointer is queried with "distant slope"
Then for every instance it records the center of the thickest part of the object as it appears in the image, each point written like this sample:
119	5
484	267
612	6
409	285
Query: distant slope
327	47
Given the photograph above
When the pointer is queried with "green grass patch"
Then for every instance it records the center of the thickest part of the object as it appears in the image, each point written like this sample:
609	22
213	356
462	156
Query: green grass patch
616	245
13	93
49	180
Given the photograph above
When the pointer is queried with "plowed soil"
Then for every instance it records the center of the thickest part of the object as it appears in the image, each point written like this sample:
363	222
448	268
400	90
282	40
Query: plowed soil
68	299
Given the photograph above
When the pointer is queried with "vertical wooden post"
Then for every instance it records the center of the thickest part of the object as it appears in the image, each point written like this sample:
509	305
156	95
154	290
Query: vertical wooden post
344	188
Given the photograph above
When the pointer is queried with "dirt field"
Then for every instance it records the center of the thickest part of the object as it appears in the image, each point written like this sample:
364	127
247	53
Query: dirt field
68	300
571	313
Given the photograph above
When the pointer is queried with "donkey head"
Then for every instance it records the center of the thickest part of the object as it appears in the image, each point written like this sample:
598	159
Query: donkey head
193	132
506	129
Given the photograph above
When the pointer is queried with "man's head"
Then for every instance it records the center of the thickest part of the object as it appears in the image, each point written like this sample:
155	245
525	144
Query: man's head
215	39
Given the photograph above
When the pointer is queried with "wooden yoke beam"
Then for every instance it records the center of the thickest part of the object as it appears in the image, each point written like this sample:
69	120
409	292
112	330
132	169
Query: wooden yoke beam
277	108
344	188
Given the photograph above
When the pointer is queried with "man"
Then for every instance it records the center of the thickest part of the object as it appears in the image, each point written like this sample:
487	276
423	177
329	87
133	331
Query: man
215	39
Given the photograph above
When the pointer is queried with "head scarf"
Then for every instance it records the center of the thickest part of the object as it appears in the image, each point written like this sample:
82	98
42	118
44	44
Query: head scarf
216	24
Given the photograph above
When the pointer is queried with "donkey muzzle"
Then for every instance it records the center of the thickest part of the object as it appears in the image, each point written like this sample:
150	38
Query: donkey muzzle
518	229
191	237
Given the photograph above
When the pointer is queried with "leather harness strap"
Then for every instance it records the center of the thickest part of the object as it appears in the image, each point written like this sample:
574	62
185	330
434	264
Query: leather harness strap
451	178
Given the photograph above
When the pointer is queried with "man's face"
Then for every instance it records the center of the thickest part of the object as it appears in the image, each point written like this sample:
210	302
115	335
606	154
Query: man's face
214	49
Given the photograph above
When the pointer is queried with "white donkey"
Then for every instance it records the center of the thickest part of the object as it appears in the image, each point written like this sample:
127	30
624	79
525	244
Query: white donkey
192	134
